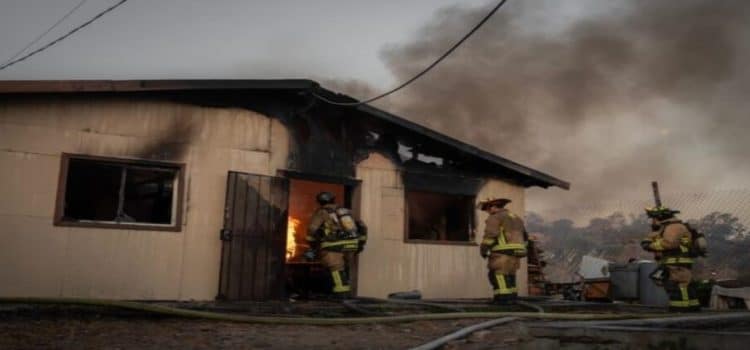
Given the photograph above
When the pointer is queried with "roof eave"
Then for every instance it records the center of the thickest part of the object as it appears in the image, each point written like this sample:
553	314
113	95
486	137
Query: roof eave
540	179
70	86
535	178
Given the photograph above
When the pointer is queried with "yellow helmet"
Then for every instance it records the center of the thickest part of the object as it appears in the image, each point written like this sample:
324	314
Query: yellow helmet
660	212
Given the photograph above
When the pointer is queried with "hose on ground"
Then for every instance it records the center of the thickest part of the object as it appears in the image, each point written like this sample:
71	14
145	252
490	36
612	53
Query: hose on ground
462	333
412	302
351	304
471	329
177	312
538	308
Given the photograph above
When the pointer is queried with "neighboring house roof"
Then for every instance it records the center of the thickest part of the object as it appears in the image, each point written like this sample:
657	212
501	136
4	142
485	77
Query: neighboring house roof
78	86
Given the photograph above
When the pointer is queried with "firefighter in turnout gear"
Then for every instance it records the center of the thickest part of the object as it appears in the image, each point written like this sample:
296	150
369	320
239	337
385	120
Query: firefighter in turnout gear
337	237
504	244
673	245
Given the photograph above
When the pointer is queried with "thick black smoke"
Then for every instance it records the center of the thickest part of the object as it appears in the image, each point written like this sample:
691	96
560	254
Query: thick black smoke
627	93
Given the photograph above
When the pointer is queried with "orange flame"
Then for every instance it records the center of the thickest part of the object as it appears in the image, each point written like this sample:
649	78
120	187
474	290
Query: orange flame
291	242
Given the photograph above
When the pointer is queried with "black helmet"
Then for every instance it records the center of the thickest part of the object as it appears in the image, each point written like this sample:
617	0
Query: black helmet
492	201
324	198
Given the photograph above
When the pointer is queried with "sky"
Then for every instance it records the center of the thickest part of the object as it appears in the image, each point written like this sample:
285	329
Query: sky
326	39
608	95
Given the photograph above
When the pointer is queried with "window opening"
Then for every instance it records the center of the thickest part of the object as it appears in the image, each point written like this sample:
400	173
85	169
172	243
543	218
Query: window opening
112	192
440	217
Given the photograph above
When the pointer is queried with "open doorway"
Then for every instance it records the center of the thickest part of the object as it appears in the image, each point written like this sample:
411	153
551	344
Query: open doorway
307	279
264	236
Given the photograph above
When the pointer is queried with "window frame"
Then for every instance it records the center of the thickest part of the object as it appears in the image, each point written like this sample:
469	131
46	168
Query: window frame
473	218
179	190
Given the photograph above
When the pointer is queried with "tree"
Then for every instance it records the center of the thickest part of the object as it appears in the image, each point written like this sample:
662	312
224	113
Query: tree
562	227
721	226
616	237
535	223
728	244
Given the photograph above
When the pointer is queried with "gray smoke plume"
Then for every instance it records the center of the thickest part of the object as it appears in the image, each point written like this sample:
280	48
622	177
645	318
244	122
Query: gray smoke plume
626	93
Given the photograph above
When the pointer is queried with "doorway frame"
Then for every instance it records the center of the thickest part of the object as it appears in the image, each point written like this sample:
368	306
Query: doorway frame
350	184
351	191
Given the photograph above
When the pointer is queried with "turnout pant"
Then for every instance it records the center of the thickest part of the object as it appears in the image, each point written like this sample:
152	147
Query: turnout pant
502	275
682	294
337	264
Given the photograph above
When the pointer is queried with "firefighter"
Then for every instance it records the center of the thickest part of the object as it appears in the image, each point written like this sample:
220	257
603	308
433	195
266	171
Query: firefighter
671	241
504	243
336	236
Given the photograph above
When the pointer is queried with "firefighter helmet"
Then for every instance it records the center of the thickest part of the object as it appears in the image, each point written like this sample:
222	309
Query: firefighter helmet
324	198
487	203
660	212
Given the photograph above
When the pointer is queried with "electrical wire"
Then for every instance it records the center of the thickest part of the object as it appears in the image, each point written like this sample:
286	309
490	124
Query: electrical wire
424	71
63	18
50	44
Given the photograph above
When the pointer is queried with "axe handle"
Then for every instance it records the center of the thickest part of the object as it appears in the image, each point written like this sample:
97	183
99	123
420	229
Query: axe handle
657	198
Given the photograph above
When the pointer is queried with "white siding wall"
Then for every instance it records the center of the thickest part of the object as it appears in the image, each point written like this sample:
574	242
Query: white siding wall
438	271
39	259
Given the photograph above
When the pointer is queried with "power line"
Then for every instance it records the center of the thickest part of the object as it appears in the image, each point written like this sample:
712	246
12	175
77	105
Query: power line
423	72
63	18
6	65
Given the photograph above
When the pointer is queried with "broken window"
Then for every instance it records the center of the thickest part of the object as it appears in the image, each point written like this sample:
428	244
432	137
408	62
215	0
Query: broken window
440	217
118	193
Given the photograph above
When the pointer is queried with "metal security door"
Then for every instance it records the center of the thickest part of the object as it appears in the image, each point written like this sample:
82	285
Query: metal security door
253	237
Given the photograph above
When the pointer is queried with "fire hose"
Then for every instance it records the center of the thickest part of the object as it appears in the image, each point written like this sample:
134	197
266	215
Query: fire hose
195	314
411	302
463	332
437	343
351	304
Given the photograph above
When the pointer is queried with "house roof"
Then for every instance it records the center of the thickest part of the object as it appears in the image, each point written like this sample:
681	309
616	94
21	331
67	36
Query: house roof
80	86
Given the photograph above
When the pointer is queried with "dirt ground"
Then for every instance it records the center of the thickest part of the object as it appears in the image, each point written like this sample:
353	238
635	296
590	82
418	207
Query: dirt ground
51	326
171	333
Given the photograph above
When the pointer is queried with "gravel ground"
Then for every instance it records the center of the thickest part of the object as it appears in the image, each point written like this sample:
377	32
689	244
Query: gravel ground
170	333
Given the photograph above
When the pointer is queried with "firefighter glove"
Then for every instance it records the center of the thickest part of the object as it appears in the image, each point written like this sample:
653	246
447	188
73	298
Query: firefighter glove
484	251
646	244
309	255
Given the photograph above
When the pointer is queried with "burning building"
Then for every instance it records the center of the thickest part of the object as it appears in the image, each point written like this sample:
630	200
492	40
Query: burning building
196	189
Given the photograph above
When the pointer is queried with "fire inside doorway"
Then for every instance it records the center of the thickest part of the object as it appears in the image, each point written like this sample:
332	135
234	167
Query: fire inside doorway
264	236
306	279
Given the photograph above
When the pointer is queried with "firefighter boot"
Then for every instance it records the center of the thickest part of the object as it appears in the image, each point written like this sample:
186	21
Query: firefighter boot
503	288
341	288
681	298
693	300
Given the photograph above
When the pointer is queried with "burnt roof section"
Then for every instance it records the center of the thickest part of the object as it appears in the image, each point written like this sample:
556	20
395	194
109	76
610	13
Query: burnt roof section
82	86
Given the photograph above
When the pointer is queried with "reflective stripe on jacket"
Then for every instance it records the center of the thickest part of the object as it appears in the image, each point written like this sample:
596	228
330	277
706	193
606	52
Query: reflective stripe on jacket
501	246
324	232
504	233
344	245
673	241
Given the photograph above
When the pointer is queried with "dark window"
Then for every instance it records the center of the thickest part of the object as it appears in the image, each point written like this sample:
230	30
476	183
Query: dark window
440	217
118	193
